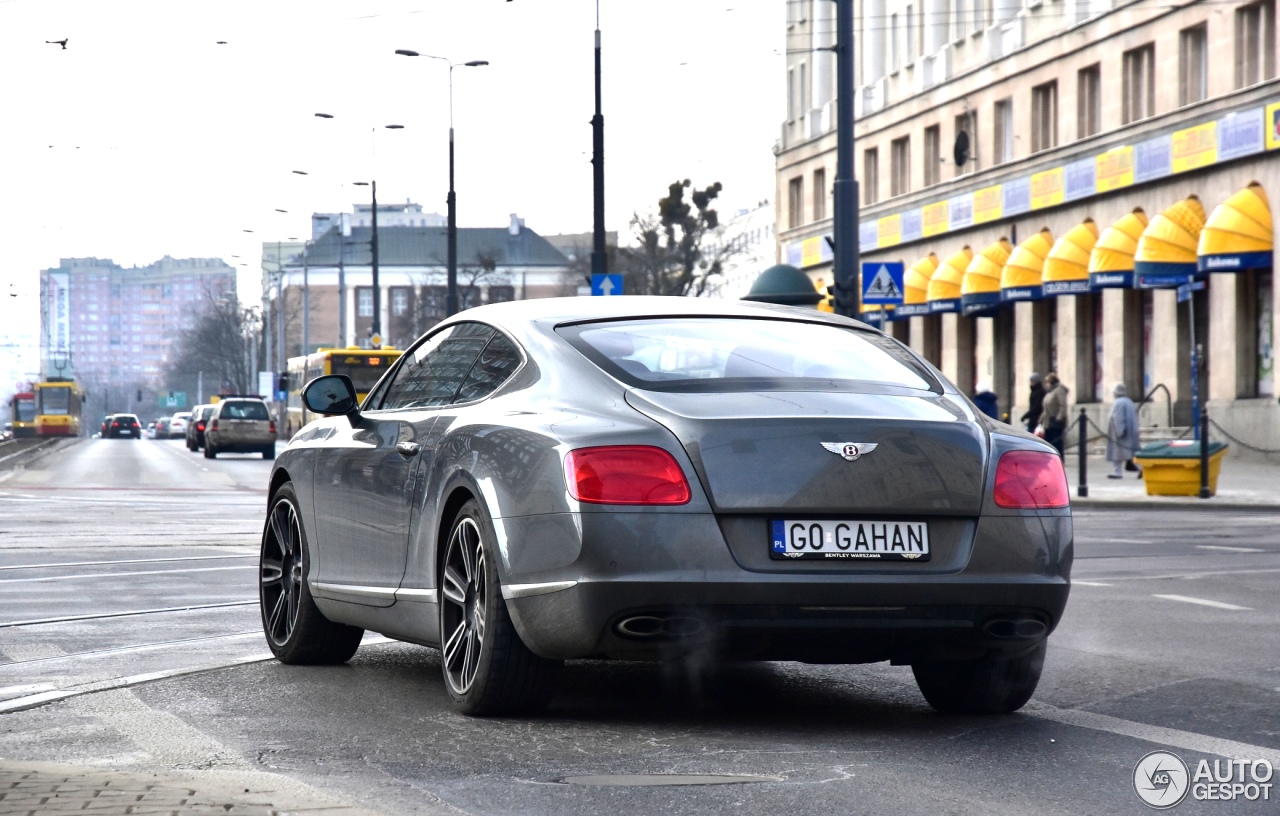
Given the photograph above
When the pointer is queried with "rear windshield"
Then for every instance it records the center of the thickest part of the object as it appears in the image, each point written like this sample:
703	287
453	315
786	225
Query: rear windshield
244	410
742	354
363	369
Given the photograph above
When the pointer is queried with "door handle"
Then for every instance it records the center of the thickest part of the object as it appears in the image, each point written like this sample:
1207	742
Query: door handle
408	448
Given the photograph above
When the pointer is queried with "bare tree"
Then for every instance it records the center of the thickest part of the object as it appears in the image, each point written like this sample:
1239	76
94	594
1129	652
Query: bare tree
680	248
217	345
483	270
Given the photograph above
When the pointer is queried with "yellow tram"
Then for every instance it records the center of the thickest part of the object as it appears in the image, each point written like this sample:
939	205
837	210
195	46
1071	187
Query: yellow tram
58	404
363	366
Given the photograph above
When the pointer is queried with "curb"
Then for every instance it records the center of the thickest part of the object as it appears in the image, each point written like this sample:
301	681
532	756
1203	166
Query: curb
1210	505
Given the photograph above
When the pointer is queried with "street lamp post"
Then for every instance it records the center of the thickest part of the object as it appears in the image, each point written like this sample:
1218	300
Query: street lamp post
375	329
451	301
598	265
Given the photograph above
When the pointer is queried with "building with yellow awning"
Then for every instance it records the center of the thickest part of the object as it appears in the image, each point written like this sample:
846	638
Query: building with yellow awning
1111	261
944	286
915	288
1166	252
980	291
1023	276
1238	234
1066	268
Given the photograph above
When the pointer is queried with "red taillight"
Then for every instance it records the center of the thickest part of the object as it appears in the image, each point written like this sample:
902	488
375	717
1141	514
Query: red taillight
199	426
214	426
1029	480
273	426
625	474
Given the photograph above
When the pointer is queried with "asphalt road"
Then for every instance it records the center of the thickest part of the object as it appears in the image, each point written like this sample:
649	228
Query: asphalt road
1170	641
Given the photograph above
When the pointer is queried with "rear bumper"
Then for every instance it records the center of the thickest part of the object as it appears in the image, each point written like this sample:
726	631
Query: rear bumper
651	585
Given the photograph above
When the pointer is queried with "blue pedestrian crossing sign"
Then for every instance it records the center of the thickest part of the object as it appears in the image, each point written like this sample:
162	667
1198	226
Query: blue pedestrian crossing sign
605	285
882	282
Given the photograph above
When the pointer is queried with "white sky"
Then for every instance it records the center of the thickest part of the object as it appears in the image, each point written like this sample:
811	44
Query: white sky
145	138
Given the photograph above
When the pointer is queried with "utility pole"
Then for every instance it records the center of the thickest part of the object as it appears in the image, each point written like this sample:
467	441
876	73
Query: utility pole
598	257
306	300
845	191
376	328
451	299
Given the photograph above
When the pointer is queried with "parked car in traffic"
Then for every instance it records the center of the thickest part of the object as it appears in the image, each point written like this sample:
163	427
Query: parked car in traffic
659	478
178	425
150	432
196	426
240	425
106	420
122	425
162	427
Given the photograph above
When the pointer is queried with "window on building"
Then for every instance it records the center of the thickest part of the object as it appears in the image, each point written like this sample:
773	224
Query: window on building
1193	64
819	194
364	303
500	294
399	302
900	166
1044	116
795	202
1002	144
981	13
895	46
932	155
1088	101
802	104
1139	83
1255	43
910	49
871	176
967	123
791	94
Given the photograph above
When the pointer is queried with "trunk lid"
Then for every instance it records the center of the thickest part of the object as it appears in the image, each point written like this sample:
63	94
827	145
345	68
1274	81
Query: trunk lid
763	452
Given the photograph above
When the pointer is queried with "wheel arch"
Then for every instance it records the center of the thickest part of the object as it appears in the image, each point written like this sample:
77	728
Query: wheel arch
458	494
279	476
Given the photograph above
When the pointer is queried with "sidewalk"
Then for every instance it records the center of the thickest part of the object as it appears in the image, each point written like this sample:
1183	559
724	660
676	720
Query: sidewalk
30	788
1241	486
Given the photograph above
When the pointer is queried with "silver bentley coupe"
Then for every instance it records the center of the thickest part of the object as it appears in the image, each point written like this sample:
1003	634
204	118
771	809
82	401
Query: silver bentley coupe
637	478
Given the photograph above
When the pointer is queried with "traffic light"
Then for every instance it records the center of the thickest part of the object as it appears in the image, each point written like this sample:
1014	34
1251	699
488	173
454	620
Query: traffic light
139	395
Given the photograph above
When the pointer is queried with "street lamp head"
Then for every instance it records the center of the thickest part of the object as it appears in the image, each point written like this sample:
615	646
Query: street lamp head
360	183
300	172
404	52
324	115
476	63
280	210
395	127
246	230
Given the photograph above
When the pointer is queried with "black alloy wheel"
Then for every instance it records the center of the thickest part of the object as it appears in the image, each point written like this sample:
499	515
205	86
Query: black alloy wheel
296	630
487	668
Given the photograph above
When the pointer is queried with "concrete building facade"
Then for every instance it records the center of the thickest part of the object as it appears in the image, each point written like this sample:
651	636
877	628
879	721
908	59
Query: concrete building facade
750	234
113	327
1003	118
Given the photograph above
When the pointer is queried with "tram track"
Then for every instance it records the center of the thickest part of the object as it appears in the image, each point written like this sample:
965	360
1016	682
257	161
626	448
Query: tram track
138	647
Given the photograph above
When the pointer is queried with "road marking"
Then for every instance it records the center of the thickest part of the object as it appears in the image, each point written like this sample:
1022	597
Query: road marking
123	574
69	618
142	647
42	698
123	561
1203	602
28	688
1227	549
1171	737
1077	582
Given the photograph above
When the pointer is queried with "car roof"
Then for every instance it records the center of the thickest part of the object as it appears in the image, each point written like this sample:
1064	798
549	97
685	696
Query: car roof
572	309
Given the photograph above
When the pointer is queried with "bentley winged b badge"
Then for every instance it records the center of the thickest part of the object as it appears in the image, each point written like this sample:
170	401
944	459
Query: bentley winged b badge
850	450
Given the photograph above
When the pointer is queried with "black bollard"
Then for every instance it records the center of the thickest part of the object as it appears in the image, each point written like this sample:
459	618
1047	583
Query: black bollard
1083	489
1204	453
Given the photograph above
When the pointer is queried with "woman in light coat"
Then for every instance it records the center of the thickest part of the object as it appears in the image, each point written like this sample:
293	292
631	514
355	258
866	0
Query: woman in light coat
1122	432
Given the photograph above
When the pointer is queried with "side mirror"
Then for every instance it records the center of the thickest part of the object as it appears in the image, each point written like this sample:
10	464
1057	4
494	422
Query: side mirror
333	395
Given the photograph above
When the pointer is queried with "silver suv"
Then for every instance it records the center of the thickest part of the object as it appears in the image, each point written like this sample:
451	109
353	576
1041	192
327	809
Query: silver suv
240	425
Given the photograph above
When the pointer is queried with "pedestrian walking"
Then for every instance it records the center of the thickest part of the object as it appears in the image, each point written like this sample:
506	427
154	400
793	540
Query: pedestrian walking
1054	417
1031	419
986	400
1122	432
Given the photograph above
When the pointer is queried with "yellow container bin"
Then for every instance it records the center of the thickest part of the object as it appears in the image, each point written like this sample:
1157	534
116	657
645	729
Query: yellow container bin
1173	468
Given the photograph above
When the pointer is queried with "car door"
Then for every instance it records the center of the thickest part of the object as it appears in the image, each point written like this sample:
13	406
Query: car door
367	474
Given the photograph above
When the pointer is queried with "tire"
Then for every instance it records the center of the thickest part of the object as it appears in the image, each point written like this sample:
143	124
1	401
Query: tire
210	452
995	684
486	666
297	632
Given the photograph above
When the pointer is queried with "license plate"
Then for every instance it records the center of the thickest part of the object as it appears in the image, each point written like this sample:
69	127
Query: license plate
827	538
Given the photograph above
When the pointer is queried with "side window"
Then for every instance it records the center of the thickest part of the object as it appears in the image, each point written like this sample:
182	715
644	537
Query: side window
492	368
435	372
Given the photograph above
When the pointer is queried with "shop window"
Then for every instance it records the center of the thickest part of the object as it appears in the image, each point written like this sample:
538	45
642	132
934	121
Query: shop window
1266	341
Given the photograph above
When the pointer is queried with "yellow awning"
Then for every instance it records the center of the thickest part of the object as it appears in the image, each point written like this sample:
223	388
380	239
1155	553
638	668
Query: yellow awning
1238	234
1111	261
1066	269
827	303
1023	273
980	291
944	286
915	284
1166	254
